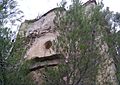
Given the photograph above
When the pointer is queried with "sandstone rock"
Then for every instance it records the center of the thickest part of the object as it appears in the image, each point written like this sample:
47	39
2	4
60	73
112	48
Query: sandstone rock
40	31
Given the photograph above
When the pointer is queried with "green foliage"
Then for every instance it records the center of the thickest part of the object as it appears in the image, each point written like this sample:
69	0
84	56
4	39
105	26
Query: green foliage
77	42
5	46
18	68
112	37
8	10
82	36
13	68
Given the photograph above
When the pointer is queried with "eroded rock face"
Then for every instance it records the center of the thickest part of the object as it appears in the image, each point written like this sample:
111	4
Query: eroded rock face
38	49
39	32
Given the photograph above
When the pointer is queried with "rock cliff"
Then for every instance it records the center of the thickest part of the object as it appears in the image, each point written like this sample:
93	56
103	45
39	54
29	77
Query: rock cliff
41	33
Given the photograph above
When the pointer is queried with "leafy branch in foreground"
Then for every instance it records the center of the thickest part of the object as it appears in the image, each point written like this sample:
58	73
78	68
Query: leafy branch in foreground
87	42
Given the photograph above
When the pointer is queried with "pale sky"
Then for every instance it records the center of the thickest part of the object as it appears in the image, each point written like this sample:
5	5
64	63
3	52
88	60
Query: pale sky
33	8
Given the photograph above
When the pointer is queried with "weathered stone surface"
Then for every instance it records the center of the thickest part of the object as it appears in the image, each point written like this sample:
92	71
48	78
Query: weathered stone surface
47	61
42	30
37	49
39	32
107	72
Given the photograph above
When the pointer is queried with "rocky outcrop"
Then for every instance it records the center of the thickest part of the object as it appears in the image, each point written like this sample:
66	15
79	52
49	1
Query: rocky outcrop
41	33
